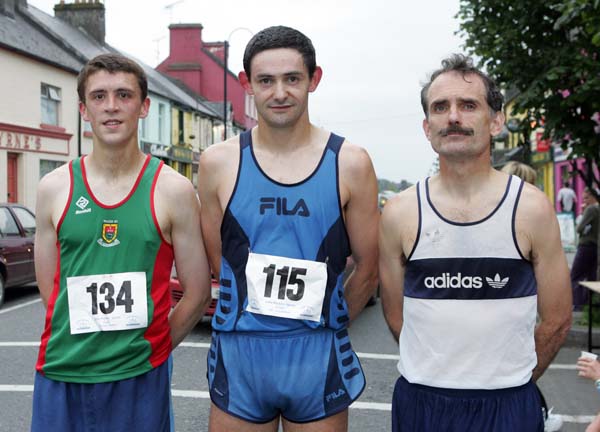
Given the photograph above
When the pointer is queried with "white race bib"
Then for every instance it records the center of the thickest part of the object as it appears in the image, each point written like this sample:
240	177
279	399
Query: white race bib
285	287
107	302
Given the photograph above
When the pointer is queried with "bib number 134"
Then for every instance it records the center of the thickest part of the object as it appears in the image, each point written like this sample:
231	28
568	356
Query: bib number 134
107	302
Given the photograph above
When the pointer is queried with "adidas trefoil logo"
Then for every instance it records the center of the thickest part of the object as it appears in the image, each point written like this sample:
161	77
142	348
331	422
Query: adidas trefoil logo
497	282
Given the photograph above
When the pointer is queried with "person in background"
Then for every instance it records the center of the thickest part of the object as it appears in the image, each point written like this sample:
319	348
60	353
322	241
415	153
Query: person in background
567	198
588	367
586	259
521	170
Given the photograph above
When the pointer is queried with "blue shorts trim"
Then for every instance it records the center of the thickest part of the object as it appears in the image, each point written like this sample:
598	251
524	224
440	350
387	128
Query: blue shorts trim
139	404
303	376
422	408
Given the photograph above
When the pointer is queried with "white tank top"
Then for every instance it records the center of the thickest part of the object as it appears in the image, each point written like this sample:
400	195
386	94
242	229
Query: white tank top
470	300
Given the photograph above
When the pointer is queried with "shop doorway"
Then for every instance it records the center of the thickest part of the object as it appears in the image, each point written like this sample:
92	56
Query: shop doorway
12	177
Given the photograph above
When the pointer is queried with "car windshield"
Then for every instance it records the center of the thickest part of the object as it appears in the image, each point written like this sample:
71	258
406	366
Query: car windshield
8	226
27	220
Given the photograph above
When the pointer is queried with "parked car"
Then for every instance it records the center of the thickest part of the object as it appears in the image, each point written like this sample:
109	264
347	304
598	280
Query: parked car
17	231
177	293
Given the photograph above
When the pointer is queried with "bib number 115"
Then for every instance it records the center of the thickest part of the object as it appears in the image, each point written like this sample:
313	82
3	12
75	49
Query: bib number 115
286	278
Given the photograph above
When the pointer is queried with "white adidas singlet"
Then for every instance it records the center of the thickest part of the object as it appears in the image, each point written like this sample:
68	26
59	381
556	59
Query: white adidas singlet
470	301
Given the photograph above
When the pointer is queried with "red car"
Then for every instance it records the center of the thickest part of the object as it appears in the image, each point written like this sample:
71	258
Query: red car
17	231
177	293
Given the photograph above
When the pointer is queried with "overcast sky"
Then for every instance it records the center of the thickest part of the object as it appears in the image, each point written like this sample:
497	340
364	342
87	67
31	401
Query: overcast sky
375	55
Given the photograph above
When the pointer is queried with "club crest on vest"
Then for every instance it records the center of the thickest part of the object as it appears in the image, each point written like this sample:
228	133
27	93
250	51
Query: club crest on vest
110	230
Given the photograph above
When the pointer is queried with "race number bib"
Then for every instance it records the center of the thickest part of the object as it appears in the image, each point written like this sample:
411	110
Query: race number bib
285	287
107	302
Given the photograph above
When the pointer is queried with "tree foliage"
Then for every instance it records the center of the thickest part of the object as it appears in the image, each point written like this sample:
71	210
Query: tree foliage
550	53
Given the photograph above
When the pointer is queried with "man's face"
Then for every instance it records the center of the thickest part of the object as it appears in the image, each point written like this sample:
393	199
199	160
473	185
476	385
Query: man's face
280	85
113	105
460	121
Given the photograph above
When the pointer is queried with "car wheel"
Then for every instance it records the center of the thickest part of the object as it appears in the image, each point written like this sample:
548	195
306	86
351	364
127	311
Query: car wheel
1	290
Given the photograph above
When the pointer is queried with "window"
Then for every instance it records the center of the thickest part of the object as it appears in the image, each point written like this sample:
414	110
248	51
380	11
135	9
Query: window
180	123
48	165
50	104
8	226
27	220
161	122
143	128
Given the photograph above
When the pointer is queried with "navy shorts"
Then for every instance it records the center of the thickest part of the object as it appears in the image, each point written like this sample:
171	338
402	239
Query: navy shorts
421	408
304	376
139	404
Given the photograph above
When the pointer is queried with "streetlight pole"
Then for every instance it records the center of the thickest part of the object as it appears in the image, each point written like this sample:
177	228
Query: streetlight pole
225	53
225	70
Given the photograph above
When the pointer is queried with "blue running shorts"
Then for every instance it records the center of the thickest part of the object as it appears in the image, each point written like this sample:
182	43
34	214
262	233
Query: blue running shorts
139	404
421	408
304	375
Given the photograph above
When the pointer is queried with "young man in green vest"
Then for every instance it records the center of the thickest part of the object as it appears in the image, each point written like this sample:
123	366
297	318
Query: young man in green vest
109	226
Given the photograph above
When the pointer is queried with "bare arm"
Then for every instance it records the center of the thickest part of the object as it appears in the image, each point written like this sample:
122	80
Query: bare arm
362	219
536	221
216	179
52	195
180	208
394	231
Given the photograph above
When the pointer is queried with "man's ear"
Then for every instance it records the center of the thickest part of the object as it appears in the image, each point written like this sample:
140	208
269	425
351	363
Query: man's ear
145	108
245	82
497	123
316	79
83	111
426	129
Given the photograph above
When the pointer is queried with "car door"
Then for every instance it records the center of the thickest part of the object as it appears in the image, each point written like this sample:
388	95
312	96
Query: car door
27	221
13	249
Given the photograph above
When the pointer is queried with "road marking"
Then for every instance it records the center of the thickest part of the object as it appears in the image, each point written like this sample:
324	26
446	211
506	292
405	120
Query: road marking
16	388
194	345
363	355
206	345
19	306
377	406
563	366
18	344
190	394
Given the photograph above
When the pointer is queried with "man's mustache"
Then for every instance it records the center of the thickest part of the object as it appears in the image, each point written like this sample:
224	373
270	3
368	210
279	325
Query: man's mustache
456	129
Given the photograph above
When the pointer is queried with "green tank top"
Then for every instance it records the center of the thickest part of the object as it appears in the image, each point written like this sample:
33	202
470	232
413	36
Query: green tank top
107	316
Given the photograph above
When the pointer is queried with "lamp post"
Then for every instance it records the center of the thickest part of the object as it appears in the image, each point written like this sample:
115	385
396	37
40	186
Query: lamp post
225	70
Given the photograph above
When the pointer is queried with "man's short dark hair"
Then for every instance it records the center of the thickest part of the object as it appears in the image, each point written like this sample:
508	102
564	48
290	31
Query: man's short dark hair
281	37
464	65
111	63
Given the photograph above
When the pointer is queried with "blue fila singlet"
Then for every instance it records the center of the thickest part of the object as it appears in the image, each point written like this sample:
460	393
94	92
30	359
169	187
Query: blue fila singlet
284	249
470	300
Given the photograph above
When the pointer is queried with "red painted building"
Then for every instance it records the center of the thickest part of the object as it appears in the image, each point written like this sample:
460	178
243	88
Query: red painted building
199	65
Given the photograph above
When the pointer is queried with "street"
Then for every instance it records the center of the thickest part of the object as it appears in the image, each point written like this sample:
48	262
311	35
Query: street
575	399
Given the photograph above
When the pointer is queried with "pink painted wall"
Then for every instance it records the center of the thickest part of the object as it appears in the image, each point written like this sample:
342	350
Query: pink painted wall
202	72
576	181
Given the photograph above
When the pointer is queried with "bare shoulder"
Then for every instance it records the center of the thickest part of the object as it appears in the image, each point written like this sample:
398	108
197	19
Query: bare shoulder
221	154
354	160
402	207
53	193
534	206
55	181
172	186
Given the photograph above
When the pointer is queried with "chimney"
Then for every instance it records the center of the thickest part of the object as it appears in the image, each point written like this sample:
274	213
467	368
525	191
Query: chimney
185	41
86	15
7	7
